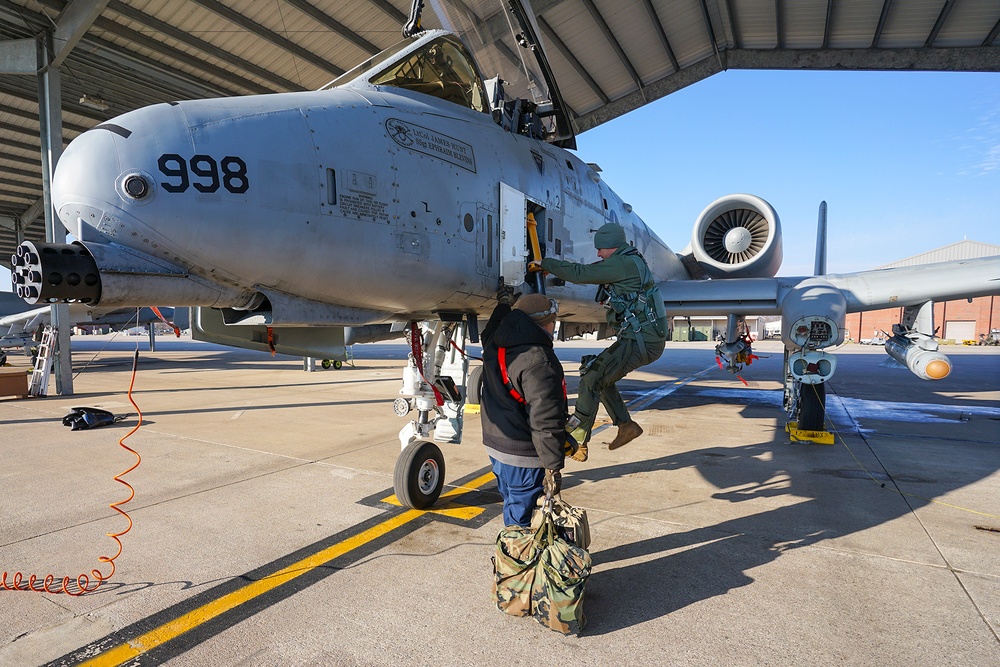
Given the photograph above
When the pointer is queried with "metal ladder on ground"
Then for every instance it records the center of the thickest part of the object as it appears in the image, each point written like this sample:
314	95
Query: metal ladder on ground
39	384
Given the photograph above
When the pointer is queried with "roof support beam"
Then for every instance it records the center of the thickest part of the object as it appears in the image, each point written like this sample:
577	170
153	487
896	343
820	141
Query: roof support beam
711	31
393	13
33	175
953	59
553	38
333	25
33	117
201	46
942	17
732	25
20	145
992	37
72	25
610	36
30	187
881	23
27	161
654	91
779	28
658	26
257	29
970	59
827	23
149	67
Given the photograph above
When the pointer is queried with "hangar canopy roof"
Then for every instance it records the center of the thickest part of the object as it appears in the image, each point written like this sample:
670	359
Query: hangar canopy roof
608	57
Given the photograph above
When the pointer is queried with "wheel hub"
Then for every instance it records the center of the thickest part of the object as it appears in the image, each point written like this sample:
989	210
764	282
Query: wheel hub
428	476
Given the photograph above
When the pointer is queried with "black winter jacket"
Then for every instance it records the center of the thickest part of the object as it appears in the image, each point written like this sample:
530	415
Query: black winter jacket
531	434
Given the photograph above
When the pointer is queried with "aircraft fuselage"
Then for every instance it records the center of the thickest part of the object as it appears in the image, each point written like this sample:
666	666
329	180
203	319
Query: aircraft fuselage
376	199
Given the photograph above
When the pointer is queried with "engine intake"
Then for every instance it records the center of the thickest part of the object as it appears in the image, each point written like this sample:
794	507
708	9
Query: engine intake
738	236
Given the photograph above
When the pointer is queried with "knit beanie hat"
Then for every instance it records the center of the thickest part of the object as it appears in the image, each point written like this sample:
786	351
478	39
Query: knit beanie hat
538	307
610	235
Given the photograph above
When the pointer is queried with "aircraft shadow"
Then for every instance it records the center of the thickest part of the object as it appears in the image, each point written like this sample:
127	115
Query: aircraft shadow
827	495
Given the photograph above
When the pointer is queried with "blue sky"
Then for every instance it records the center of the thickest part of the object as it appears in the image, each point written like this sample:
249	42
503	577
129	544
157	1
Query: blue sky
906	161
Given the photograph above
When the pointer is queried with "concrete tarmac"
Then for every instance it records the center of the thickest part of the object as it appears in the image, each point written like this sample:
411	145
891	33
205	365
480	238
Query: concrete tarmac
262	534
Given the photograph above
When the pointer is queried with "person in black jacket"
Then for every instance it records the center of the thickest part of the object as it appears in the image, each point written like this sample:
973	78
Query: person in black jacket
524	415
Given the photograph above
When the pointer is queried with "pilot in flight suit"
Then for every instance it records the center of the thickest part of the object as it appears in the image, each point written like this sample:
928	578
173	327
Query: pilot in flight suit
635	310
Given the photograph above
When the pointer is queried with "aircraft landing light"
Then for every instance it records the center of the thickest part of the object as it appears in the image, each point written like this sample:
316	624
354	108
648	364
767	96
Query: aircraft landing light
229	603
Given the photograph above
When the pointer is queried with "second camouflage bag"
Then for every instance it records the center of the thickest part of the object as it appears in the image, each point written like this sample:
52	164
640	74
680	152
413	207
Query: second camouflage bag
560	580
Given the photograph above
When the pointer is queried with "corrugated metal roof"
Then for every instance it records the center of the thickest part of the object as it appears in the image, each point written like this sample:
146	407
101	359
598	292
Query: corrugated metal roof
956	251
609	56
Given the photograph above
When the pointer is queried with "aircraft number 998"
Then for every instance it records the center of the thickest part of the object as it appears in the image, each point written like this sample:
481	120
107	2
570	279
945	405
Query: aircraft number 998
205	169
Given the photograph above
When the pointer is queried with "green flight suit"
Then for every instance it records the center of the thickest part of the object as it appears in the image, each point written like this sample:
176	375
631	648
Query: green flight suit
635	311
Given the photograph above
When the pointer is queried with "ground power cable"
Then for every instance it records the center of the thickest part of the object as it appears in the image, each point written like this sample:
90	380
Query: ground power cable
84	583
906	499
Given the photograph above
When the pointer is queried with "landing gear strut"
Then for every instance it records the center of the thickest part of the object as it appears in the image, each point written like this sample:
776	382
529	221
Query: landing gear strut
429	387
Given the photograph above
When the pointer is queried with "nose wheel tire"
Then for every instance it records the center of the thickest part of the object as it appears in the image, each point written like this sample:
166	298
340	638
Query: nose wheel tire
419	475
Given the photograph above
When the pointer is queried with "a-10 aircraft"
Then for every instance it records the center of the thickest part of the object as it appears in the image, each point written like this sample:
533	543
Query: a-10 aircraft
397	199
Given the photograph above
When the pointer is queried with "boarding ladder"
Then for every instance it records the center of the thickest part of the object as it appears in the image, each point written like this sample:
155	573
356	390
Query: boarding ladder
39	384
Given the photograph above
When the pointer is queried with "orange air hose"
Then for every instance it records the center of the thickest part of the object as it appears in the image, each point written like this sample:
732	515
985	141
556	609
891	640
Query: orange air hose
83	583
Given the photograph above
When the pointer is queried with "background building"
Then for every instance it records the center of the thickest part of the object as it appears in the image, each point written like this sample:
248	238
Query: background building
956	320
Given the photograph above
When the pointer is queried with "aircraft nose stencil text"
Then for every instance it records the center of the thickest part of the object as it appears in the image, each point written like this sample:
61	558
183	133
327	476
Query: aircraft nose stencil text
429	142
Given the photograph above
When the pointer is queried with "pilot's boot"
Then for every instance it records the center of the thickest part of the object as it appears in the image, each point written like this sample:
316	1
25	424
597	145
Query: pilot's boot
627	432
580	435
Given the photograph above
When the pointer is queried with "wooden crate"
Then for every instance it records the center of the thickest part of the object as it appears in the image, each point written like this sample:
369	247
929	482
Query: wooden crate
13	382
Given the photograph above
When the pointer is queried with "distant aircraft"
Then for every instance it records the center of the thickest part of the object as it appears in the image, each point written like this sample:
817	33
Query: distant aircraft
396	199
21	326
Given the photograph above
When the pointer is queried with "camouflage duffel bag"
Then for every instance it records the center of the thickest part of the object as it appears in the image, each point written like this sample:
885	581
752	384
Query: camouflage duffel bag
514	570
571	522
560	579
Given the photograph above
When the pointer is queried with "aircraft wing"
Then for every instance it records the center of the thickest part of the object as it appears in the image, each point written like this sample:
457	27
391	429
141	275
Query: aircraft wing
862	291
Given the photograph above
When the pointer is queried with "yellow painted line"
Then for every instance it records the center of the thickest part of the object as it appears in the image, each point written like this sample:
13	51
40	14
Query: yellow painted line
186	622
454	510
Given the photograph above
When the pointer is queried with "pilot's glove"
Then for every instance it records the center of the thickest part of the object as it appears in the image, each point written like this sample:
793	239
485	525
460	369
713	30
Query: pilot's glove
506	295
552	482
574	449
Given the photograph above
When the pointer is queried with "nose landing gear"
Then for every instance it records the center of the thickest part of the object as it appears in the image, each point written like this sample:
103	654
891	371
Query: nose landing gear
429	387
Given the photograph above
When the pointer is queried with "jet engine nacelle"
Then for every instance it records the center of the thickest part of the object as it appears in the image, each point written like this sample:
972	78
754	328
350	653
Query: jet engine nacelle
738	236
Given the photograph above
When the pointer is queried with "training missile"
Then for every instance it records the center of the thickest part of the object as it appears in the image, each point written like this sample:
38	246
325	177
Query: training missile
926	364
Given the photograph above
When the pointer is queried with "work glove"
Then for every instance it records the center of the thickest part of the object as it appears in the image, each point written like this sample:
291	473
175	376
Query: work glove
534	266
552	482
506	295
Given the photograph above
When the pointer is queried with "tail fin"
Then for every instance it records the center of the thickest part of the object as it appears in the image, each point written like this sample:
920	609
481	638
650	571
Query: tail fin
820	269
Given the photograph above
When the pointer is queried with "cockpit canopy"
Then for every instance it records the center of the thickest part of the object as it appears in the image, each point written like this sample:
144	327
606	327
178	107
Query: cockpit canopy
442	68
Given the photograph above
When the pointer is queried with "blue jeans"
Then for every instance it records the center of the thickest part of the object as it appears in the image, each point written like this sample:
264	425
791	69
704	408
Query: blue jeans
520	488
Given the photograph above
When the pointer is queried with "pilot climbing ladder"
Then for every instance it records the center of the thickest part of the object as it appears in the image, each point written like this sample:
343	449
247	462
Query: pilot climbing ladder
39	384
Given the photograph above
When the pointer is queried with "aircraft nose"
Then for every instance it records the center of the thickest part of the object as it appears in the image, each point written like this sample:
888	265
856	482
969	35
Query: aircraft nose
86	178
